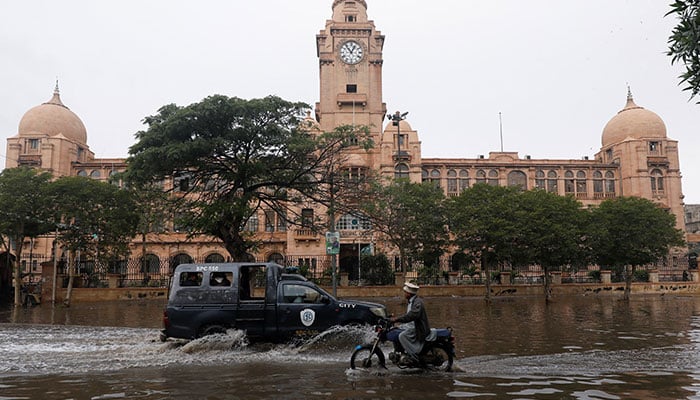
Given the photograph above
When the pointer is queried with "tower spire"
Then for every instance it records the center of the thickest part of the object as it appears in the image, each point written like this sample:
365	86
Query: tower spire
629	93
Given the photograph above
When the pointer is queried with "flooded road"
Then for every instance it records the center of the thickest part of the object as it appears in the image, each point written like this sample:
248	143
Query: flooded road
585	347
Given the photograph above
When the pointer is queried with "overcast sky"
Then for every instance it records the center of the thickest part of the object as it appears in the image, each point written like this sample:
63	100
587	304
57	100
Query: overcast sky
557	71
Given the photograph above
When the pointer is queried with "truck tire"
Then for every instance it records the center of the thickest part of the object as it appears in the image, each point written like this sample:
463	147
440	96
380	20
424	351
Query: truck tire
212	329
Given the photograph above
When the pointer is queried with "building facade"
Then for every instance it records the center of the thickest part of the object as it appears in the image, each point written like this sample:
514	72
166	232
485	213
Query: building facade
636	158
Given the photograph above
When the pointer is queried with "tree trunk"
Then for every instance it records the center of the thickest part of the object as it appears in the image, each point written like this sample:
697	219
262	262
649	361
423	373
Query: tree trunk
629	273
17	283
547	285
17	272
66	301
487	273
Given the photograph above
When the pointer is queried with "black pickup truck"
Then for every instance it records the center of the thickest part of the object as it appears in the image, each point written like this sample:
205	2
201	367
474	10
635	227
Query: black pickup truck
259	298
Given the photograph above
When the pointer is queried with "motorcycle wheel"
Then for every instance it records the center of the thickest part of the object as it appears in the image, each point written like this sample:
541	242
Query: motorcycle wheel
439	358
364	358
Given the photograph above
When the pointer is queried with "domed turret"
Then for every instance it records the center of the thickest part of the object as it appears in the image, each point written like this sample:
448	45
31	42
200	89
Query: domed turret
51	119
633	122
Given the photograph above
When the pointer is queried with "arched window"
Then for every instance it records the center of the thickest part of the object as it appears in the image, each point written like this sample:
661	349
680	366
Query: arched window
424	175
481	176
401	171
276	258
349	222
95	174
657	182
569	186
435	177
610	183
517	179
150	264
493	177
552	179
181	258
452	186
539	179
463	180
214	258
82	172
597	184
581	189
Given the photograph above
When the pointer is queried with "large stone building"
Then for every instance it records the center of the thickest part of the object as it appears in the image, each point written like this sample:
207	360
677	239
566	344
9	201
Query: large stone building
636	158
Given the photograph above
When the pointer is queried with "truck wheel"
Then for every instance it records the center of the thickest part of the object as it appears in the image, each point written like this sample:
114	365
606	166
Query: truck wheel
212	329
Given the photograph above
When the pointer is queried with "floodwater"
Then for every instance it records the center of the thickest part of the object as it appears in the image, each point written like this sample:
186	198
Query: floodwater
579	347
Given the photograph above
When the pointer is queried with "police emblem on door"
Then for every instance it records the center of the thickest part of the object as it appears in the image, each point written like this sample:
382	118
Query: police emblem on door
307	317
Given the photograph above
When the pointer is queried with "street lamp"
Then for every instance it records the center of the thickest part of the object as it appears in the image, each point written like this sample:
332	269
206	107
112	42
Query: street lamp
396	119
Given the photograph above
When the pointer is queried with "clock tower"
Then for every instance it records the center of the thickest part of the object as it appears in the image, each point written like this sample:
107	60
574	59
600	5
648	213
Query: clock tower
349	50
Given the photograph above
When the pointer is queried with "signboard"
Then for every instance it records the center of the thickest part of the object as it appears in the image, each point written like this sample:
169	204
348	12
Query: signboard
332	242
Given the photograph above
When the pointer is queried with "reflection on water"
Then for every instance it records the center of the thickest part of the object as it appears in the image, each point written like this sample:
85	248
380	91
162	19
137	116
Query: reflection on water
587	347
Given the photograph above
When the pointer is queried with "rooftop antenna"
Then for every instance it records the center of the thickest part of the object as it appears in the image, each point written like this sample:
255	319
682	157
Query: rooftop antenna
500	126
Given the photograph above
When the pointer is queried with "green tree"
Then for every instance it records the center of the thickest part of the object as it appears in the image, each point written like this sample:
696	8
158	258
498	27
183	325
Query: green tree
231	158
98	220
412	217
24	212
551	232
631	231
684	43
483	222
376	269
153	206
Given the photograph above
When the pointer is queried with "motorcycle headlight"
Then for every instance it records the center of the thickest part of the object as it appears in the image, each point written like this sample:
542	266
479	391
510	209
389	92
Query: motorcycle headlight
379	311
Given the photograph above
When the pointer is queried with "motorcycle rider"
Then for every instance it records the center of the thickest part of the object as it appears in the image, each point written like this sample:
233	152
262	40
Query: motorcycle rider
416	327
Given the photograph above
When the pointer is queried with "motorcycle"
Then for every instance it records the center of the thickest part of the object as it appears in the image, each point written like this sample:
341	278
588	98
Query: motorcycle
437	354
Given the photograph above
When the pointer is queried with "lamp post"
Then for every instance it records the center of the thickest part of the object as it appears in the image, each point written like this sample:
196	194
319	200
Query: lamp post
396	119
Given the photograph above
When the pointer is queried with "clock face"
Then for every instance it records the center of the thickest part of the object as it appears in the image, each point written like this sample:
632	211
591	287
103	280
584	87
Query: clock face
351	52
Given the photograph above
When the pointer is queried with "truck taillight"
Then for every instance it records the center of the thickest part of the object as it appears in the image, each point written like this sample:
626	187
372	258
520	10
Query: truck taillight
166	320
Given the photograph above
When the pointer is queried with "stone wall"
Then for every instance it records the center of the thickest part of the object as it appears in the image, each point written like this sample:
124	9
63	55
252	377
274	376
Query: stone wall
680	288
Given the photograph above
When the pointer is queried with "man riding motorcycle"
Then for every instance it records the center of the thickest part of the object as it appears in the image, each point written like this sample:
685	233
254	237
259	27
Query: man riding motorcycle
416	327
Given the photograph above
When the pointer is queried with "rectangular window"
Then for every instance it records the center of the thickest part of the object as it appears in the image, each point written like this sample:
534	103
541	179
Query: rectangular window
269	221
307	218
281	222
33	144
181	182
598	186
654	147
191	279
351	89
569	186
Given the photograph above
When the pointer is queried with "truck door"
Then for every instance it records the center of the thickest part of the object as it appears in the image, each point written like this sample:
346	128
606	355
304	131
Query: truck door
302	309
252	314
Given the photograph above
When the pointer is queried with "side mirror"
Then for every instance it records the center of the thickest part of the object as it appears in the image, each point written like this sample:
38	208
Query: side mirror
325	299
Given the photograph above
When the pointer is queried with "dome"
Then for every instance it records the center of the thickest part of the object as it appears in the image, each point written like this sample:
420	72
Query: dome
51	119
633	122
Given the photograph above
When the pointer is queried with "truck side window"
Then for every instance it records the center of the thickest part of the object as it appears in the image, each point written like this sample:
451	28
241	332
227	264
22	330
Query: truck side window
191	279
220	279
300	294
